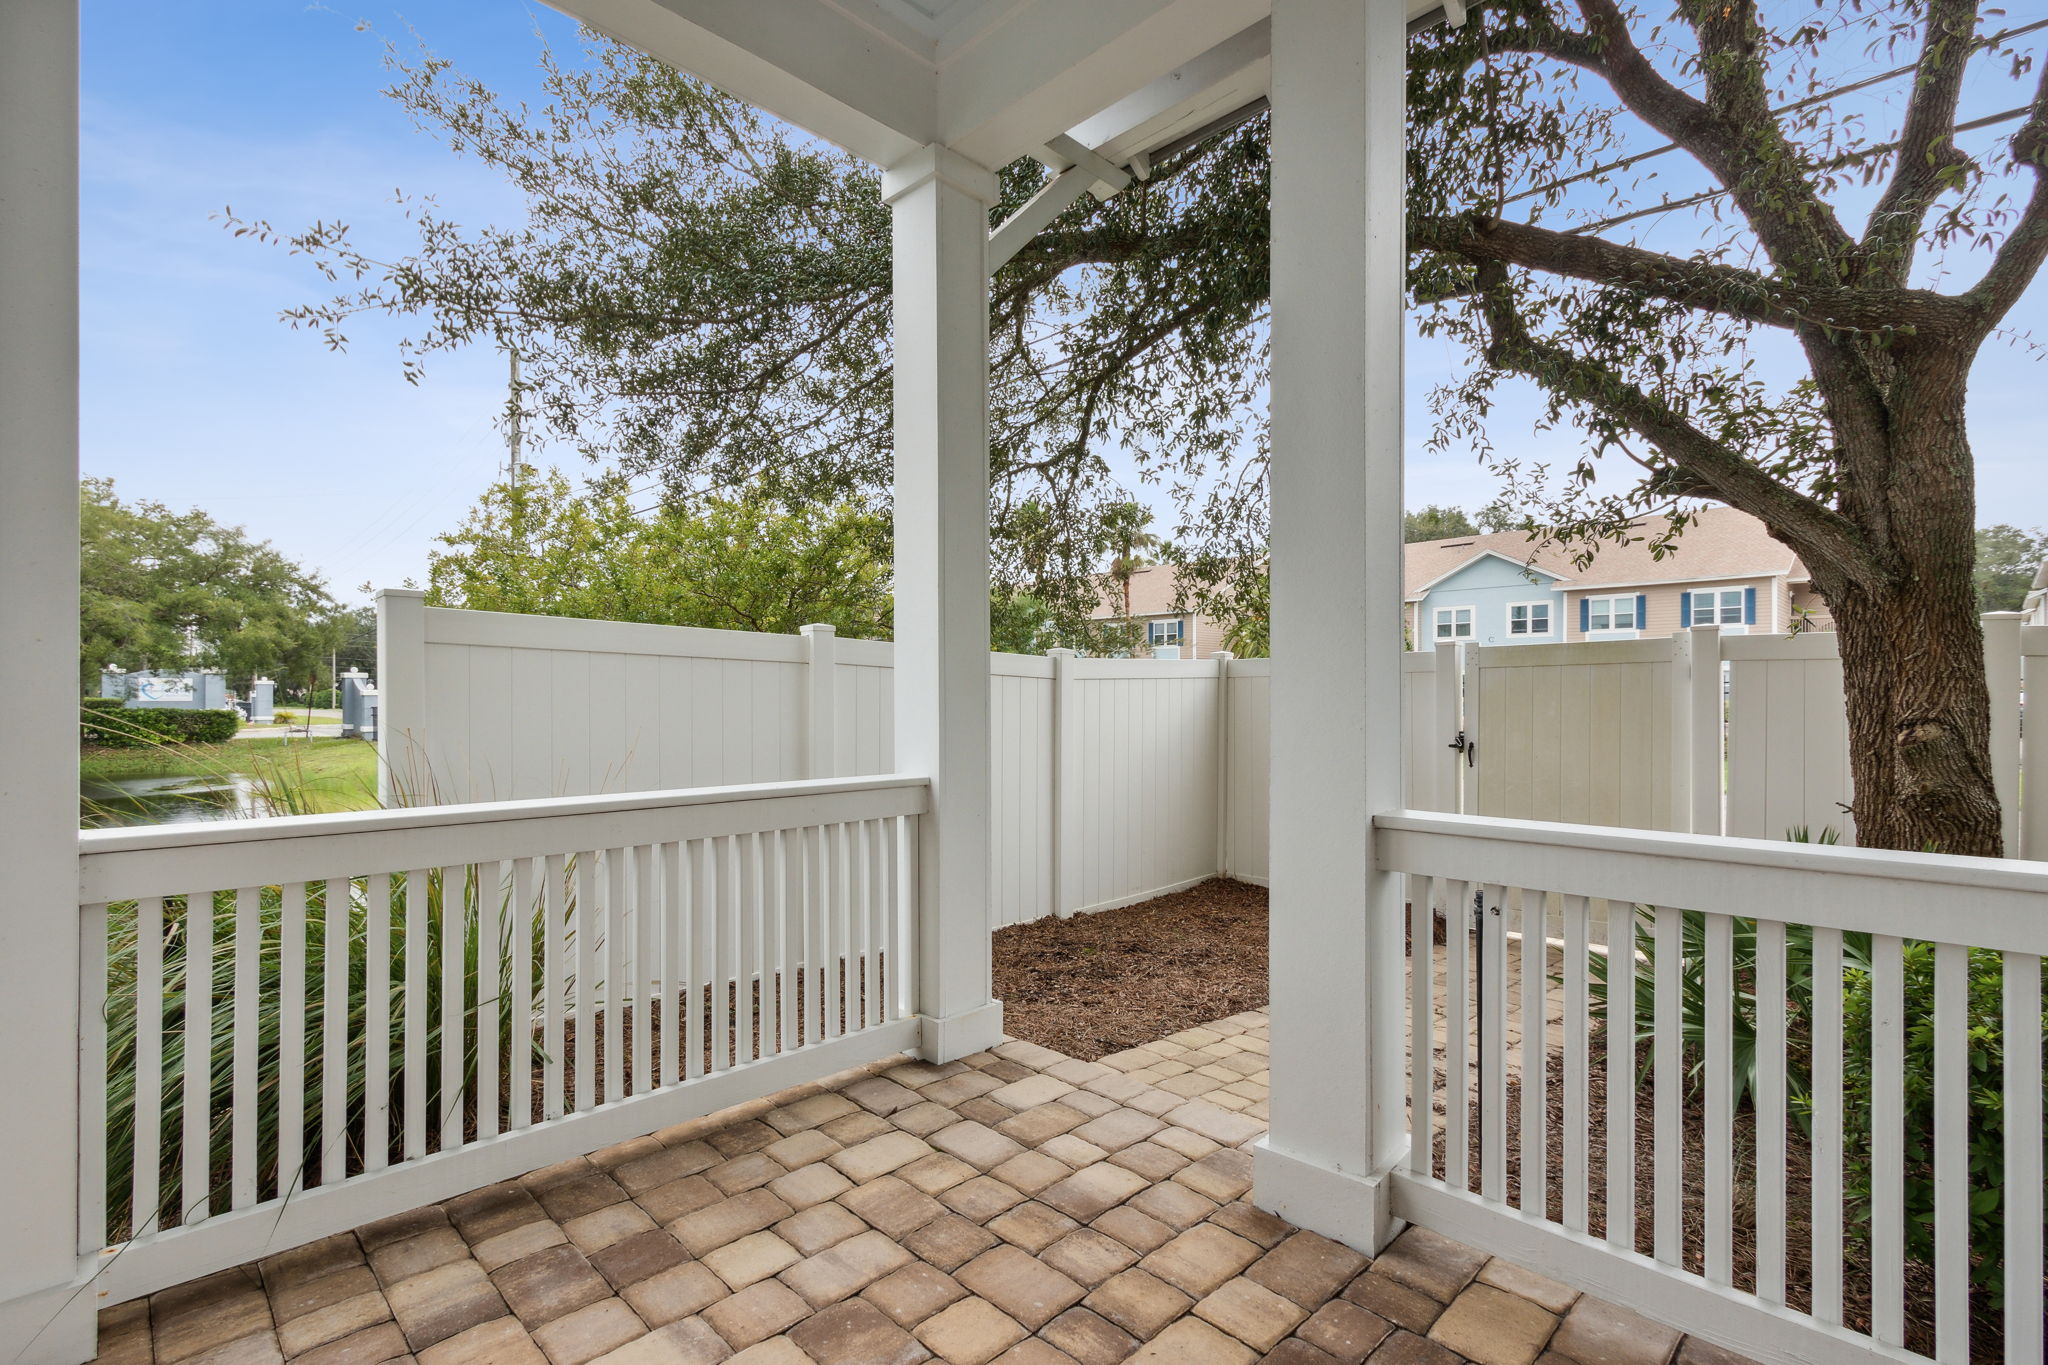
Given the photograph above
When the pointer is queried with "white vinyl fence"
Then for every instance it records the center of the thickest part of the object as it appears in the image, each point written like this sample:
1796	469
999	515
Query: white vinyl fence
1118	779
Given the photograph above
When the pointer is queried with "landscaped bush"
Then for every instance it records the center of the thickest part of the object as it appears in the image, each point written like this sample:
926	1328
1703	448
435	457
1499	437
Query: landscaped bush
108	723
1984	1081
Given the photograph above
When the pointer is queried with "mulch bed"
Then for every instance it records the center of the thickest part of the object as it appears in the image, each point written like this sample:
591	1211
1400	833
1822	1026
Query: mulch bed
1099	983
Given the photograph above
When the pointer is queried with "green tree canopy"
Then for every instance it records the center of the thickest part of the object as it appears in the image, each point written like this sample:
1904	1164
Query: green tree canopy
171	590
1436	523
2007	560
751	562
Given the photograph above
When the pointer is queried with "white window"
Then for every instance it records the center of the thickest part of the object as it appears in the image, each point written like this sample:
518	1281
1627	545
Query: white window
1529	618
1165	632
1716	606
1611	613
1454	623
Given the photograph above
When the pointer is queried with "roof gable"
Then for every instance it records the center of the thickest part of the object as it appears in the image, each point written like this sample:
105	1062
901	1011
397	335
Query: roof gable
1480	556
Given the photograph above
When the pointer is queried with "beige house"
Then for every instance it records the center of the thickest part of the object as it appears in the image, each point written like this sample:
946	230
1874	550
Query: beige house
1154	589
1509	588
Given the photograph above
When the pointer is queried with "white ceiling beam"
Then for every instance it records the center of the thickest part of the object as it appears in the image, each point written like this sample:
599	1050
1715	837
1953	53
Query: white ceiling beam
1161	97
858	85
1049	66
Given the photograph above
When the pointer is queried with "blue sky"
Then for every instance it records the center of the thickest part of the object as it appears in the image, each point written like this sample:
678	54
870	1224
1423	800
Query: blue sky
196	395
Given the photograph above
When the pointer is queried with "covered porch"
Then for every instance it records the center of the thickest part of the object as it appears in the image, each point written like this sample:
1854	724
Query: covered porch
820	931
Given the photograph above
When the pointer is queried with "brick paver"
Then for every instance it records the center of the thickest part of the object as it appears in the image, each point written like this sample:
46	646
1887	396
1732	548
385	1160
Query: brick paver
1016	1208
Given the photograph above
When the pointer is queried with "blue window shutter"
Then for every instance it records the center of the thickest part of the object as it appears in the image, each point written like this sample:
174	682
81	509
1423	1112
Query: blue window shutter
1685	611
1642	606
1585	614
1749	606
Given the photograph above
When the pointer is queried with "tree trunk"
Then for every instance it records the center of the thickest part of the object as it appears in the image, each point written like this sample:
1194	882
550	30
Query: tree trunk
1912	648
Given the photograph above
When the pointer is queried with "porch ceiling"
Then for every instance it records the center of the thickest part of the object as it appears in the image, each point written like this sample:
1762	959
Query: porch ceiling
993	79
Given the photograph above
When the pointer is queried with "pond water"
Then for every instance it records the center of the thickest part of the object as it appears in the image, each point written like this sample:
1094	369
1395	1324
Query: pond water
167	799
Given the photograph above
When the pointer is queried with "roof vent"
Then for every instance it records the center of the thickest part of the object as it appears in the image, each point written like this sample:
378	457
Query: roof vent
1456	544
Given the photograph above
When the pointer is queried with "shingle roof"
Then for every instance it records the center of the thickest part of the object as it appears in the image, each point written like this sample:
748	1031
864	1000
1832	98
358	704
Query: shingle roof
1722	543
1152	590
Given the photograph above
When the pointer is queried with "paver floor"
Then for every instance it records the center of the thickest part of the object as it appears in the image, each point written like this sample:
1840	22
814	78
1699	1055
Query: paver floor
1019	1207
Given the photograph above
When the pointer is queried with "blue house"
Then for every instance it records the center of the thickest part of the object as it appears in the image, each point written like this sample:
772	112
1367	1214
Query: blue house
1485	598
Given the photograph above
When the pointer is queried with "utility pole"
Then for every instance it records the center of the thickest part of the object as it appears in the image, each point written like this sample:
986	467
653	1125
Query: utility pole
514	436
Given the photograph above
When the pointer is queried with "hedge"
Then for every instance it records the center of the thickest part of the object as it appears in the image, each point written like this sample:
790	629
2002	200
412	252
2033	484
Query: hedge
108	723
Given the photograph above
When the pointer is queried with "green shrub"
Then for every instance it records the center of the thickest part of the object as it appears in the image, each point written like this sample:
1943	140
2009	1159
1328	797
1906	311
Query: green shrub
1984	1043
208	727
109	723
1984	1081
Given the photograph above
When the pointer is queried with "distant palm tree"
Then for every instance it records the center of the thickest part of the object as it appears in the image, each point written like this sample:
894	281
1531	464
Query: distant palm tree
1131	545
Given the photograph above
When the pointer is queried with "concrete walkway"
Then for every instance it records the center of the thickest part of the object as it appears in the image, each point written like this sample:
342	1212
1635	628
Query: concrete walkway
1020	1207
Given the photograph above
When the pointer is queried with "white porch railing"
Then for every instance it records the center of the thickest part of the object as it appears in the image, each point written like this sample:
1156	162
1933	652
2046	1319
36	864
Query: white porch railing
1825	1017
292	1027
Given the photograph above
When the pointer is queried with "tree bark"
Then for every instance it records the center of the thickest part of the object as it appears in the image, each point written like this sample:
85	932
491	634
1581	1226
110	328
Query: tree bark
1912	646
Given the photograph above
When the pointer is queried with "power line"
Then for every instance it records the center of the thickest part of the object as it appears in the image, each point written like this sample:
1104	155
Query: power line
1637	158
1833	164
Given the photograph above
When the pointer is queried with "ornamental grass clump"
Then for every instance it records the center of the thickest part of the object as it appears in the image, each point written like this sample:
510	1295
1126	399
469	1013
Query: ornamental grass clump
337	917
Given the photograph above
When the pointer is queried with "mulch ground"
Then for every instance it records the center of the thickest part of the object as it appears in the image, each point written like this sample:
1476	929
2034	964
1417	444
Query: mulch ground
1099	983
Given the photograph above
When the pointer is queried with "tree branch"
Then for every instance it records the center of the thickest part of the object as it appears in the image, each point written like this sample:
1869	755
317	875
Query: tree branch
1817	532
1732	132
1927	153
1725	289
2021	255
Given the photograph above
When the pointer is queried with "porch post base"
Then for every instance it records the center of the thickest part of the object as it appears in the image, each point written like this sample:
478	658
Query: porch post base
54	1326
1353	1209
960	1035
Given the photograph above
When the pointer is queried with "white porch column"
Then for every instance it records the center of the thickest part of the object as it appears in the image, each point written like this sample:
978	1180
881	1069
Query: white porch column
1337	1114
46	1313
940	203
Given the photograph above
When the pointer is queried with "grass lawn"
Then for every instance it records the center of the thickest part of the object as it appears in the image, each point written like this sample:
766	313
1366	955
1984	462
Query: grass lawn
296	776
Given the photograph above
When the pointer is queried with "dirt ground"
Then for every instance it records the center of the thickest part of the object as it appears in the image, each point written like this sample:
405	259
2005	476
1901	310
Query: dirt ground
1099	983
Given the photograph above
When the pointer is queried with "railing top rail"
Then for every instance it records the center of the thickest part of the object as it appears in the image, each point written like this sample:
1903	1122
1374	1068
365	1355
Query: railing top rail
1997	903
119	864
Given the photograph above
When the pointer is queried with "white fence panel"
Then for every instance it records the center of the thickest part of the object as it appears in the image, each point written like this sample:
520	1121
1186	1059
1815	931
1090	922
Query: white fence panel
1148	772
505	707
865	733
1788	737
1246	769
2034	741
1584	733
1023	747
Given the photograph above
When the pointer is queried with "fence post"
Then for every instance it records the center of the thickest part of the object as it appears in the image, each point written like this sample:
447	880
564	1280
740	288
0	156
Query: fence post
2002	672
2034	745
1699	767
1066	785
402	699
821	700
1223	658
